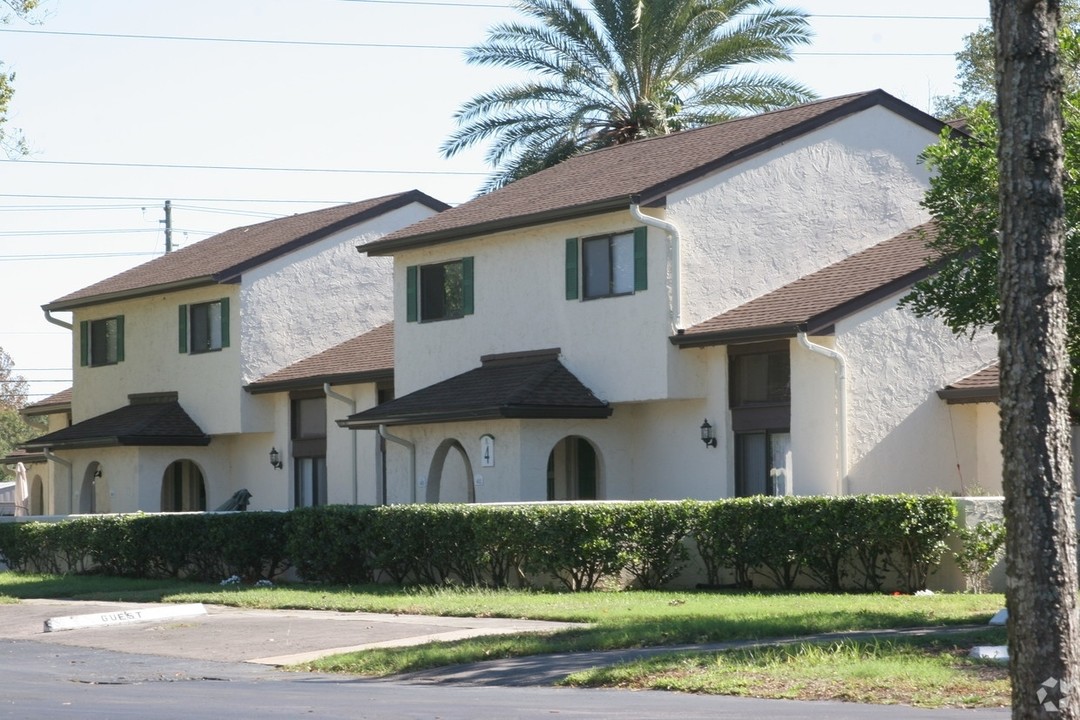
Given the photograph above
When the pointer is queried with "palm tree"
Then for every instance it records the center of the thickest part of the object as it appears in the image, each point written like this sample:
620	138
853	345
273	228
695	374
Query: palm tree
620	71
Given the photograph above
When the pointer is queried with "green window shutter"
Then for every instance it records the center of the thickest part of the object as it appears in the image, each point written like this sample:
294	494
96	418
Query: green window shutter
84	343
410	293
182	324
467	286
571	268
119	338
641	275
225	322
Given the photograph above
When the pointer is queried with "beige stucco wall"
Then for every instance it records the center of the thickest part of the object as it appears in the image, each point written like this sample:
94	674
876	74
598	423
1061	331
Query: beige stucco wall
794	209
317	296
617	346
207	383
900	432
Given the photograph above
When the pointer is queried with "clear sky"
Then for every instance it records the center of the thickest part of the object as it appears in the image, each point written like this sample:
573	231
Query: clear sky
292	105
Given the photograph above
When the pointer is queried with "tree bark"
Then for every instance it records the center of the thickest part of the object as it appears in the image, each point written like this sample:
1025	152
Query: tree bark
1041	571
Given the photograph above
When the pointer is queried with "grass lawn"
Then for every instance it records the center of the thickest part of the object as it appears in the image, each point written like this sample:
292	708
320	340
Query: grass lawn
924	672
631	619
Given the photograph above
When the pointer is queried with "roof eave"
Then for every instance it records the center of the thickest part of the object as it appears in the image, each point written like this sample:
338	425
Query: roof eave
370	376
503	412
388	247
729	337
28	458
189	283
39	410
964	396
122	441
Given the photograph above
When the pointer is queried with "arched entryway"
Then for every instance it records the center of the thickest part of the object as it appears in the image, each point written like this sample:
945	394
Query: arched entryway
183	488
450	478
573	471
94	490
37	496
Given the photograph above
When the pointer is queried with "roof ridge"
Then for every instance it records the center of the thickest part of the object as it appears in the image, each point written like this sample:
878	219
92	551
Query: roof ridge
741	118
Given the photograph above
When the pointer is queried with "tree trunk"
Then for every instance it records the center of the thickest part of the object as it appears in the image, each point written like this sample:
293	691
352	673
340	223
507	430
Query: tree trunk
1041	584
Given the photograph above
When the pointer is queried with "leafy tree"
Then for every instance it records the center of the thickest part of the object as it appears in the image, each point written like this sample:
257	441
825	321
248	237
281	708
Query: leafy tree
620	71
963	200
11	142
1040	542
13	395
975	67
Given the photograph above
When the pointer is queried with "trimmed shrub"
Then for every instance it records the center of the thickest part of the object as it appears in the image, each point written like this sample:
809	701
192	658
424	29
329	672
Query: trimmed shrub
331	544
579	544
652	534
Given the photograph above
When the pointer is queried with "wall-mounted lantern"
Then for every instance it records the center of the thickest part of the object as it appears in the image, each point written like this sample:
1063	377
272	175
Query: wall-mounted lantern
275	459
708	435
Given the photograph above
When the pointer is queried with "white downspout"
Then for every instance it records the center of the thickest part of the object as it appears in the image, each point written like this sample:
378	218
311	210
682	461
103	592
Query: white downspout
71	479
57	321
675	238
352	403
412	456
841	391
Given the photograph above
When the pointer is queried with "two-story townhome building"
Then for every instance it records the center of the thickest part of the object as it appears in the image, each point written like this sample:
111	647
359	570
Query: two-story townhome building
160	418
705	314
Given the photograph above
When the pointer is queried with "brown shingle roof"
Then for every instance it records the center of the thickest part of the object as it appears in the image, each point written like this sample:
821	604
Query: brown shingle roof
814	302
367	358
515	385
227	255
159	423
982	386
646	170
59	402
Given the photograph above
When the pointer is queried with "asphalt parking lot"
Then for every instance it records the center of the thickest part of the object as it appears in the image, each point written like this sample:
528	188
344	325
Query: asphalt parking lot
267	637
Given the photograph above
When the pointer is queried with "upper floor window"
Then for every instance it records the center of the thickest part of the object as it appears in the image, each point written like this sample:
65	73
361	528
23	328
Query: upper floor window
101	342
441	291
204	327
606	265
760	378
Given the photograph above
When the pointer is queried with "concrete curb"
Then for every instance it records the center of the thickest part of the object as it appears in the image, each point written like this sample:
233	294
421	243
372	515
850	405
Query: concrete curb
123	617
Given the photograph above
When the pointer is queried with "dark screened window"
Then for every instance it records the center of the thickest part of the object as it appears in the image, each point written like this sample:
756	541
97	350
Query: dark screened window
206	327
442	291
105	341
608	265
760	378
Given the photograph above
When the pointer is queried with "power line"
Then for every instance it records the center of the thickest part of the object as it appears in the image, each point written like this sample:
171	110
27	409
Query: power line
58	208
118	231
74	256
188	199
422	46
242	41
172	166
828	16
249	213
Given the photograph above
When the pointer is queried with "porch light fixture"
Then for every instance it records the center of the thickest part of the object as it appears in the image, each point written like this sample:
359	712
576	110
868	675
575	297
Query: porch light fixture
275	459
707	435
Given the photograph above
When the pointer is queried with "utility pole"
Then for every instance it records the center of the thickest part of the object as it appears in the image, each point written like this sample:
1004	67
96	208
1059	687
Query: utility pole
168	226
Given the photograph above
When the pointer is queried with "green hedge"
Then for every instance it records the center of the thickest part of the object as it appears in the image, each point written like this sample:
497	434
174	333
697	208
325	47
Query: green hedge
834	543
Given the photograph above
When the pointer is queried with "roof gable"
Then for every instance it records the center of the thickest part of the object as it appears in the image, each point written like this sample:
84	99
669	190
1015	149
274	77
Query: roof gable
814	302
644	170
224	257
